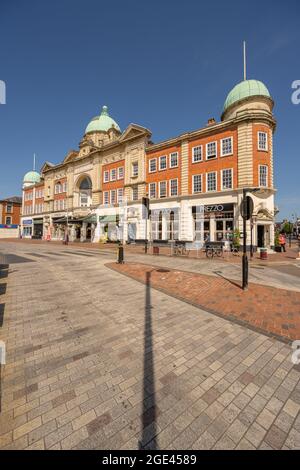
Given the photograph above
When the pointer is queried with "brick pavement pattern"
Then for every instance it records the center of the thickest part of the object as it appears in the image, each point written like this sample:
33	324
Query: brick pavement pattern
96	360
267	309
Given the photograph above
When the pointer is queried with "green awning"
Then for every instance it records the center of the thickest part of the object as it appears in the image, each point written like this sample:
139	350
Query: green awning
90	219
37	221
107	218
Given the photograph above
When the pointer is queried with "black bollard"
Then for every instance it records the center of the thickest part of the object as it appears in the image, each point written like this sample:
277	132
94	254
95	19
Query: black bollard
120	259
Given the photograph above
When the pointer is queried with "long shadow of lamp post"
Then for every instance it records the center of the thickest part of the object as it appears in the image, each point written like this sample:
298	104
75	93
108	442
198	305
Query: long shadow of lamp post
149	404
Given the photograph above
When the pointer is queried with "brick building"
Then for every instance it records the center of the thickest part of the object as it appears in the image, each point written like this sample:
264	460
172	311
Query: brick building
195	181
10	216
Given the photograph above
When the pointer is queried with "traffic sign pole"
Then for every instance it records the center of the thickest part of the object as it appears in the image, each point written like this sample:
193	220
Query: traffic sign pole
245	258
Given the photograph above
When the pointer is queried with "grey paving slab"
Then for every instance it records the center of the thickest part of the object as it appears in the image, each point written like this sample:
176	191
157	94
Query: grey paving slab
97	360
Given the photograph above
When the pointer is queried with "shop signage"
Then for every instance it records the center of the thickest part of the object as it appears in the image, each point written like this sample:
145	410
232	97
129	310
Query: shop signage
218	208
27	222
8	226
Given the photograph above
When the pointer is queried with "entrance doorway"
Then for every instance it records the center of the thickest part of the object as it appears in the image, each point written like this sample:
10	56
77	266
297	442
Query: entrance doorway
260	236
131	233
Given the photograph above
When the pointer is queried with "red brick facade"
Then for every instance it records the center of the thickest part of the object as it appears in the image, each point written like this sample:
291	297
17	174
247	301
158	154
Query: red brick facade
10	212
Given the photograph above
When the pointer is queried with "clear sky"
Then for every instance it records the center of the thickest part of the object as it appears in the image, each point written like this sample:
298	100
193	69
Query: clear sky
165	64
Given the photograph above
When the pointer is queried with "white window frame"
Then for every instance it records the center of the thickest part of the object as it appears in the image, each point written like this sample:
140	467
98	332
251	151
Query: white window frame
170	159
11	206
211	190
134	173
170	187
221	143
206	152
160	158
267	141
153	184
193	153
259	176
135	188
113	191
106	176
120	177
111	173
8	217
106	197
166	192
222	185
64	186
193	184
152	160
120	199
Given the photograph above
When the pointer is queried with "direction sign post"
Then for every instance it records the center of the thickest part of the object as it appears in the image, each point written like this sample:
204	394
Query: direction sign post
246	211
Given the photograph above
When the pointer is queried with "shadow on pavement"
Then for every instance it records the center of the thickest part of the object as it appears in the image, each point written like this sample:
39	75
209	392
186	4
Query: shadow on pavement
234	283
149	402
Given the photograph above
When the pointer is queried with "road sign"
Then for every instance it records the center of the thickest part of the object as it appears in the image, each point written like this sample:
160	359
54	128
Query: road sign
247	207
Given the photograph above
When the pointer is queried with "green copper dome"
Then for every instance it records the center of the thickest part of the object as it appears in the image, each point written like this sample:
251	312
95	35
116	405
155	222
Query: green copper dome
32	177
102	123
245	89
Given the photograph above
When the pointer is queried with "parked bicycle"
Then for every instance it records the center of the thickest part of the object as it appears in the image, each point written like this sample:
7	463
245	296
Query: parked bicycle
181	250
213	250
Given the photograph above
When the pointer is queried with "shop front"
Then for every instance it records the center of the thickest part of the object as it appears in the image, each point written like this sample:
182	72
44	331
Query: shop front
165	224
218	222
109	228
27	228
37	228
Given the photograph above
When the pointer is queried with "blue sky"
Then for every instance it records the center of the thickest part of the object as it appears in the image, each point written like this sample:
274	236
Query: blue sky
167	65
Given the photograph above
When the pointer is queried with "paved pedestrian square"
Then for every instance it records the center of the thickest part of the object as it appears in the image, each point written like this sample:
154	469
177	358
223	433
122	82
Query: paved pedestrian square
96	360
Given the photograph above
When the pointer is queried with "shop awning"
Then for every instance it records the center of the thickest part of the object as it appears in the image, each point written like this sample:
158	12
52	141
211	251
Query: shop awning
90	219
107	218
38	221
60	221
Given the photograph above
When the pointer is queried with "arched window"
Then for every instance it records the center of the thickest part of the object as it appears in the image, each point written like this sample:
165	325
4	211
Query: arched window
85	192
171	226
160	226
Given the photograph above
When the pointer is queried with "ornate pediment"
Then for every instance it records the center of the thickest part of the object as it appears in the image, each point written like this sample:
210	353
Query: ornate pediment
134	131
70	156
47	166
264	214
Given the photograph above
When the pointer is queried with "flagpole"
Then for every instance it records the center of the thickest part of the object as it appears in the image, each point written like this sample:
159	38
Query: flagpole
245	61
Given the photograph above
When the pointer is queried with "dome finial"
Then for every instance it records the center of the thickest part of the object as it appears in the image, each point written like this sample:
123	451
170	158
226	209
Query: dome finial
104	111
245	61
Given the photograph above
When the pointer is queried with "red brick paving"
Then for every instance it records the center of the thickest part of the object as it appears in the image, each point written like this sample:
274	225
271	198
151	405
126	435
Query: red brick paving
269	310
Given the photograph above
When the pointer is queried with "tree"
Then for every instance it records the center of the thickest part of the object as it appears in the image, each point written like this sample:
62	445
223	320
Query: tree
287	228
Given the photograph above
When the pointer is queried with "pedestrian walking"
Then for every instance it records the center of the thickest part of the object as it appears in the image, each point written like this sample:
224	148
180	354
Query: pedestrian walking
282	242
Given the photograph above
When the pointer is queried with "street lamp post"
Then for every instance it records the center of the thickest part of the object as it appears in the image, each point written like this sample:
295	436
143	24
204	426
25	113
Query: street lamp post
247	211
146	207
245	258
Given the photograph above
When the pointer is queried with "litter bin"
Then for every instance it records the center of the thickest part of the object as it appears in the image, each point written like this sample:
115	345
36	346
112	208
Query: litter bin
263	253
156	250
120	259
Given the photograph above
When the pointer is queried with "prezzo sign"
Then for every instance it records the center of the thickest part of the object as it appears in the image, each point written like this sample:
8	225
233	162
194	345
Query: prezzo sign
218	208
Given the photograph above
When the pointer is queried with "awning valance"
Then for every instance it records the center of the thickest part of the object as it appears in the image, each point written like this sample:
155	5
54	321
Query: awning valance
107	218
90	219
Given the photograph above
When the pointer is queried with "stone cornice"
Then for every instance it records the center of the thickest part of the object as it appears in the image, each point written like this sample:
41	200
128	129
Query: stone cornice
214	128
